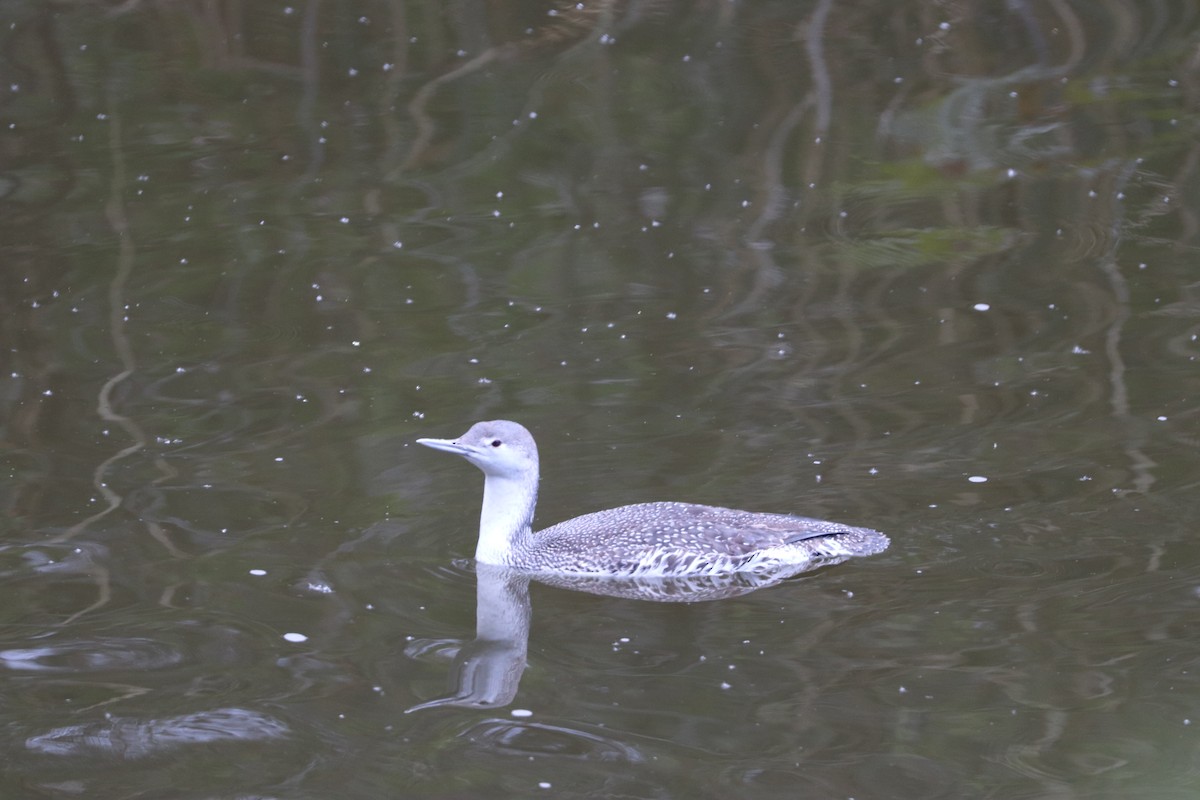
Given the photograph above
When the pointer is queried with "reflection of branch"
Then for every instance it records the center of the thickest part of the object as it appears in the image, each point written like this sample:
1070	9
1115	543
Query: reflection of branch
573	23
115	213
127	7
1141	464
773	182
774	202
391	93
417	106
103	591
814	45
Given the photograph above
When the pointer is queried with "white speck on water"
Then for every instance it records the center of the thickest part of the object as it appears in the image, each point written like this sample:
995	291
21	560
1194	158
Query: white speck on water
544	784
725	685
278	459
982	307
295	637
397	244
521	712
258	572
1161	418
977	479
671	315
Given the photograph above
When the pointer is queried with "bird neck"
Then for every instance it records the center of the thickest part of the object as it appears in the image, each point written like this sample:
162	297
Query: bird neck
506	521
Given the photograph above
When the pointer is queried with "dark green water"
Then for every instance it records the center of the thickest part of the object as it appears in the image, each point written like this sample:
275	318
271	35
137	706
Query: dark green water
926	268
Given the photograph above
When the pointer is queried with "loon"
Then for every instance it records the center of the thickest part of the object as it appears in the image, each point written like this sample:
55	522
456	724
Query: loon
641	540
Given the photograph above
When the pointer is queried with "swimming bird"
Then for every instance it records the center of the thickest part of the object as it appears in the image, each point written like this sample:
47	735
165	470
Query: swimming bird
646	539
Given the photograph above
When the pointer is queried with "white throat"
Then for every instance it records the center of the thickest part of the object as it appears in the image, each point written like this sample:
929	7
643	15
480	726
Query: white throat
505	523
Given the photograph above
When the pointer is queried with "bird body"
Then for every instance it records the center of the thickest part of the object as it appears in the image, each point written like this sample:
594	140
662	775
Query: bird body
641	540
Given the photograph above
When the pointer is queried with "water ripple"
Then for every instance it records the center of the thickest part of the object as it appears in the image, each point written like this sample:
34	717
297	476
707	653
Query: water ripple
133	738
91	655
537	738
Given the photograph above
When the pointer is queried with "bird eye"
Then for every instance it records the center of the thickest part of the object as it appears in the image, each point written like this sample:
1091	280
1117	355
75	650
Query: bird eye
496	442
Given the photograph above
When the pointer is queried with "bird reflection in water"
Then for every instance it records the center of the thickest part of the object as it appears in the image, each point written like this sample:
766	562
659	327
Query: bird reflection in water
486	671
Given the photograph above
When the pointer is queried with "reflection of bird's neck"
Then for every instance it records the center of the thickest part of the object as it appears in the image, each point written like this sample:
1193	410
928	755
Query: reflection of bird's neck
506	520
487	670
501	606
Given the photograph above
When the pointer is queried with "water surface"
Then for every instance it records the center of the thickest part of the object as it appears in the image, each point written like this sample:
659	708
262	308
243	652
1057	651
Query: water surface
925	269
